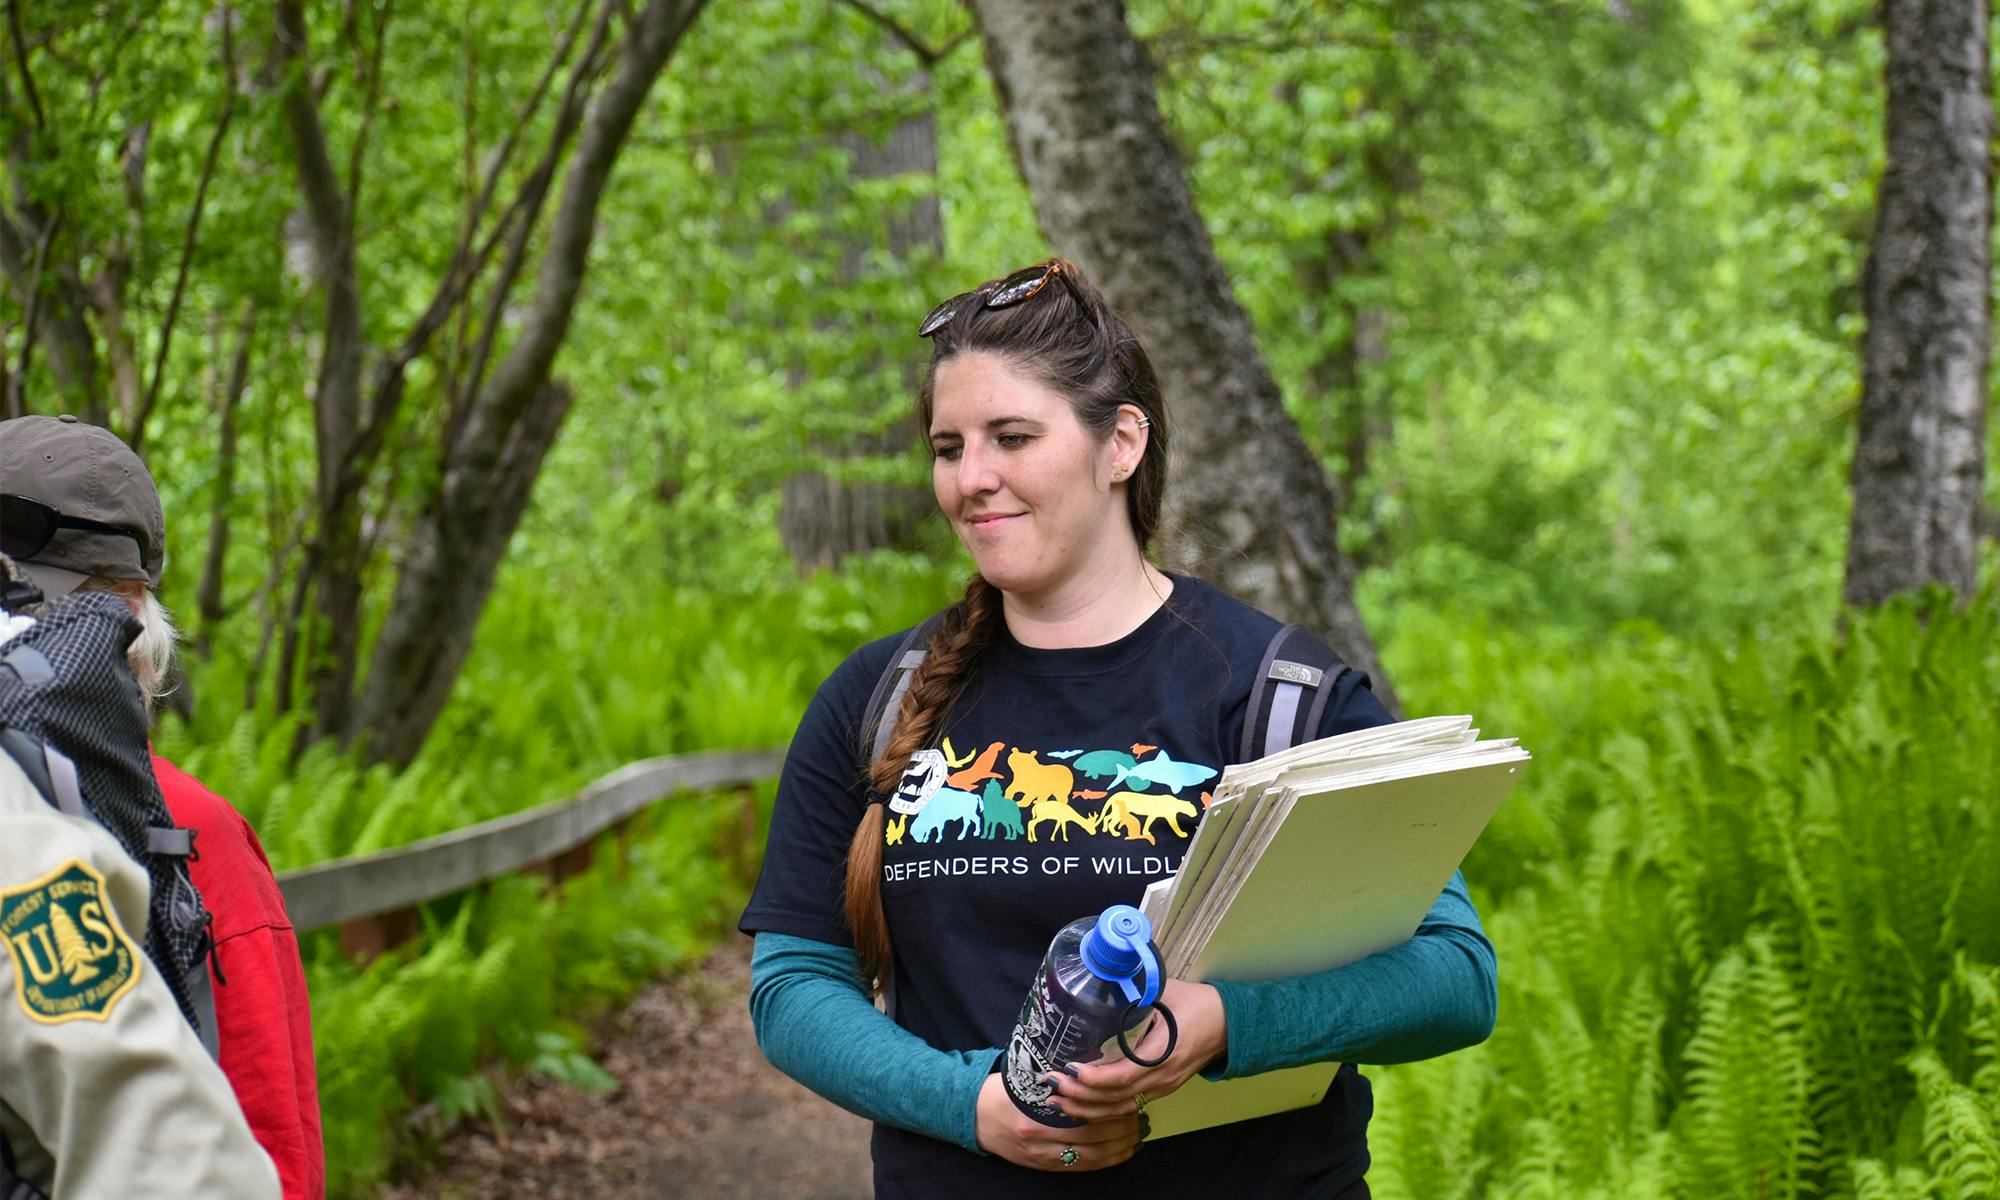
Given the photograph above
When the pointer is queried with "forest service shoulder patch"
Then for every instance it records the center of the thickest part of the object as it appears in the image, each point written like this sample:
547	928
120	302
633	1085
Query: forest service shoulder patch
72	960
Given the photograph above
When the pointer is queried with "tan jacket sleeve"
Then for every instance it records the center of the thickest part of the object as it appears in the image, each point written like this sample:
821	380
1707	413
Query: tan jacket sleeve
106	1092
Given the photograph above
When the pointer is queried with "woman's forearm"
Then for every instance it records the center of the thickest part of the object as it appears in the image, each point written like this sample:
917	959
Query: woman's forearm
815	1024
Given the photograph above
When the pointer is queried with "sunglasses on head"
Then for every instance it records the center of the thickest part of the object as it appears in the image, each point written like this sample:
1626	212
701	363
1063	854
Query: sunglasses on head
1021	285
28	525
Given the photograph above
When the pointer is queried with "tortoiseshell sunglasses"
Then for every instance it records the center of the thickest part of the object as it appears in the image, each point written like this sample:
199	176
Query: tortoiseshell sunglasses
1021	285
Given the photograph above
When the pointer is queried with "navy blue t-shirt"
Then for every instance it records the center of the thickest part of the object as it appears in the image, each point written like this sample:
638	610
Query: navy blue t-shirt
1063	782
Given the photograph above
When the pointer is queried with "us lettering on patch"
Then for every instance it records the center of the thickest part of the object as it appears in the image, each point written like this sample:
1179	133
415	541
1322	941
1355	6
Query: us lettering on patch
71	958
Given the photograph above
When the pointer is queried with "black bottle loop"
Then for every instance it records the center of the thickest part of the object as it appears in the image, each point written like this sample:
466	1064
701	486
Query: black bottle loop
1173	1036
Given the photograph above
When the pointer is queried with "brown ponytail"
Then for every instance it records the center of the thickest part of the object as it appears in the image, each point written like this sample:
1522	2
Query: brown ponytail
962	637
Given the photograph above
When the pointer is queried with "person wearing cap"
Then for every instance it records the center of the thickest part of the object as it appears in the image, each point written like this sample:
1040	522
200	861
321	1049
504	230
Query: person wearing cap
105	1089
79	511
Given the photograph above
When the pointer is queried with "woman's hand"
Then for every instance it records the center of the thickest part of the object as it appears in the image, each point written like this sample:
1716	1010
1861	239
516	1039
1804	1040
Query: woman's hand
1102	1091
1017	1137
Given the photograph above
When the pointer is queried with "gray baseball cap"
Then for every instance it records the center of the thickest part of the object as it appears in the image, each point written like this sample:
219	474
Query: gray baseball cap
84	471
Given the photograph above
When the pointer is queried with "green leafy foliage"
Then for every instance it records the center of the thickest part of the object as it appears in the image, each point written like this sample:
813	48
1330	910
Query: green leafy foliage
1763	963
1571	286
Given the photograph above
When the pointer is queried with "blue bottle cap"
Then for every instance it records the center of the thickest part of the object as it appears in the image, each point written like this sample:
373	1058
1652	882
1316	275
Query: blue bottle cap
1117	949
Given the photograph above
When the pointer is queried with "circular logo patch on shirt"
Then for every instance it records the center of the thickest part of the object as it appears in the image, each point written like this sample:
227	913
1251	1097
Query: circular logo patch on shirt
71	959
922	779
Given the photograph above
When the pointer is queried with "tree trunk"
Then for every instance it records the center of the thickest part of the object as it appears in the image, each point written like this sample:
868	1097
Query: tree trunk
443	585
1248	506
60	332
823	517
334	572
496	450
1355	419
209	608
1920	461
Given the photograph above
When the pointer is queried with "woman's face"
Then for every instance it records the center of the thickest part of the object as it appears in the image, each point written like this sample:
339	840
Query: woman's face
1027	488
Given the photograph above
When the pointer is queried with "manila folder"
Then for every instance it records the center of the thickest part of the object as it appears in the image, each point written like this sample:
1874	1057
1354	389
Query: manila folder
1353	871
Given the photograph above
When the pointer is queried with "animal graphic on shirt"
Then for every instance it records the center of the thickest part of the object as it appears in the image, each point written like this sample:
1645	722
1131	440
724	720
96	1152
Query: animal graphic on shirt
1137	812
1035	780
966	778
1117	819
1062	816
1000	814
948	805
1164	772
894	830
953	758
1103	764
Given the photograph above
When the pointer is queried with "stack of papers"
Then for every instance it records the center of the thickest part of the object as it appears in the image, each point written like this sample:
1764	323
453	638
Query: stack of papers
1314	858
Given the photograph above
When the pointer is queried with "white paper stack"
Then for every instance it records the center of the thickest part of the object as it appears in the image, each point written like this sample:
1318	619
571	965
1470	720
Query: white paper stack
1314	858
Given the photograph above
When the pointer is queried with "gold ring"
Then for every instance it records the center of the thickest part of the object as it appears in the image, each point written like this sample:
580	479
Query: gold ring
1139	1098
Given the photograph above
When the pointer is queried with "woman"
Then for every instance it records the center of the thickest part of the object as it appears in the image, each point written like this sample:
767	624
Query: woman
1070	659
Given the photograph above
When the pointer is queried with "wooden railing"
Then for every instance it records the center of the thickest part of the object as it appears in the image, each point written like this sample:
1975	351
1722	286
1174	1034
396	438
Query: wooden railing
373	897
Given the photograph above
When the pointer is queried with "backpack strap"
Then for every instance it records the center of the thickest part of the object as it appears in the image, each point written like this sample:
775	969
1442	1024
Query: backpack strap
1281	713
26	751
48	769
885	703
64	790
201	995
878	721
30	665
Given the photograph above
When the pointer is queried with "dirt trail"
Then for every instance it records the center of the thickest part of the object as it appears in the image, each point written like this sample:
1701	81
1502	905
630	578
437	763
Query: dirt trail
699	1113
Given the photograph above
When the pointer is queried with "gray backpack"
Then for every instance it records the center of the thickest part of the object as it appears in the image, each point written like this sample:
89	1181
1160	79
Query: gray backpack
71	716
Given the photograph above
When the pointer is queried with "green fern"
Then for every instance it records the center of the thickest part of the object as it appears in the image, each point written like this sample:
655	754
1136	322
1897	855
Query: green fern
1961	1133
1873	1180
1743	1125
1763	884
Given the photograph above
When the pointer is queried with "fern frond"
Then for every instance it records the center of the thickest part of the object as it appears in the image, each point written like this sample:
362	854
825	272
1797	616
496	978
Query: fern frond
1961	1136
1743	1123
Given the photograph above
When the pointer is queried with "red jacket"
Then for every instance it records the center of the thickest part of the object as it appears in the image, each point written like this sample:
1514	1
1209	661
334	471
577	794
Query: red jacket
263	1022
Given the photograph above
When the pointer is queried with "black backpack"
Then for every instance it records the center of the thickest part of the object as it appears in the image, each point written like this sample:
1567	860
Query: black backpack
1280	714
72	717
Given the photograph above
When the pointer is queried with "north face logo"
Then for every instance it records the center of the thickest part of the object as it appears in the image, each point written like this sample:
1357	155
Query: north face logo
71	959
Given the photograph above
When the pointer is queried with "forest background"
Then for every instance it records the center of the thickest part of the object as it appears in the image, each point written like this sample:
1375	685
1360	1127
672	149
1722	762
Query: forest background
1565	300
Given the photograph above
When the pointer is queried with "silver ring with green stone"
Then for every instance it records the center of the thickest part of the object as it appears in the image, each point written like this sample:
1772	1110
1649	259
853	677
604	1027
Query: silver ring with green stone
1069	1156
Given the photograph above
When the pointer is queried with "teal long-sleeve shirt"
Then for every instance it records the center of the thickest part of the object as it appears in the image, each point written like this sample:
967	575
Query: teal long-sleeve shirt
1430	995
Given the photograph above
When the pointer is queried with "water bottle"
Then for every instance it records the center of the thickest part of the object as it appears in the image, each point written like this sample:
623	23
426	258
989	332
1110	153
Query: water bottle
1099	975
